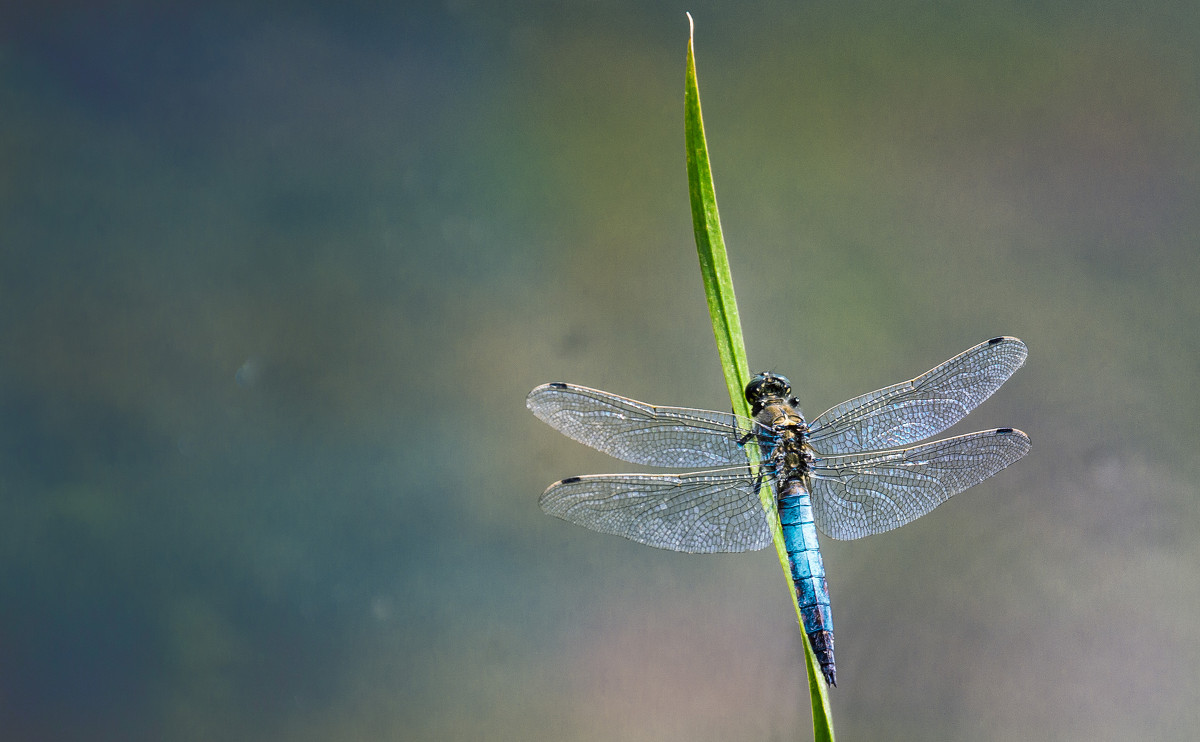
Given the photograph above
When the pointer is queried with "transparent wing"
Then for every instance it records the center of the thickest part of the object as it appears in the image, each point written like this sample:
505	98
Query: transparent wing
861	494
700	512
914	410
640	433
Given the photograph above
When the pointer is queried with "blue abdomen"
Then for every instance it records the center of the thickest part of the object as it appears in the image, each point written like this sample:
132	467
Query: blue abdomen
808	572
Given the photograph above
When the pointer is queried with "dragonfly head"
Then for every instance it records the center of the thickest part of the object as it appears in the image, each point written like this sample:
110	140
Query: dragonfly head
767	385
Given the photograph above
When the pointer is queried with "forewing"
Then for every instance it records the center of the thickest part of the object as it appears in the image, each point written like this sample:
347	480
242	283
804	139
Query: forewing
914	410
640	433
861	494
700	512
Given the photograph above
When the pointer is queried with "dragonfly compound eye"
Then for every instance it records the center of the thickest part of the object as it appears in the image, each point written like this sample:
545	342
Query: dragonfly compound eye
765	385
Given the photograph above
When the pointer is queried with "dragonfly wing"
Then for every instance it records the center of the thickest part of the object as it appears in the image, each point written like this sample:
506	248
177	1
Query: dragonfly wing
914	410
700	512
861	494
640	433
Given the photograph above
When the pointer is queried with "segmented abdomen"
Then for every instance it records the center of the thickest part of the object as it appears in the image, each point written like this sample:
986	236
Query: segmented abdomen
808	572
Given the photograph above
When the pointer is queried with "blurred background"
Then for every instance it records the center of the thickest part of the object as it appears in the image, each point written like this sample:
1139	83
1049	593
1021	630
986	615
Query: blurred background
276	278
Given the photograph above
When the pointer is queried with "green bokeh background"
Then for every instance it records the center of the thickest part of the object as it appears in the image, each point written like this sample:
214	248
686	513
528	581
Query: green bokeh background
275	279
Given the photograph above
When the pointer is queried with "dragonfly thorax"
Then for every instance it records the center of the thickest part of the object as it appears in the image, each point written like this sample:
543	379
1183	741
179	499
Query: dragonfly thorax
785	448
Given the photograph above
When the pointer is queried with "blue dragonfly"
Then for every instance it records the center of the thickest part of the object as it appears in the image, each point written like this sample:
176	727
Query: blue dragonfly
850	473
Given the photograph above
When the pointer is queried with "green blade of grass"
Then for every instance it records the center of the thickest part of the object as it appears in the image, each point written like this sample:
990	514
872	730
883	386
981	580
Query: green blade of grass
722	307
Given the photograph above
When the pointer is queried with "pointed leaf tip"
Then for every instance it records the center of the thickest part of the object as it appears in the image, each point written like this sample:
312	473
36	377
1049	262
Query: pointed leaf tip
691	25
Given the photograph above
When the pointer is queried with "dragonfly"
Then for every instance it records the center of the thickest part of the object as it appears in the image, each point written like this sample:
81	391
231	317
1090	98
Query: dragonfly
852	472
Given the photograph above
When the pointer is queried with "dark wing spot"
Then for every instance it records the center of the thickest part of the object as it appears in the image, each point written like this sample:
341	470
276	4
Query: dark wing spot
993	341
570	480
557	385
1003	431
